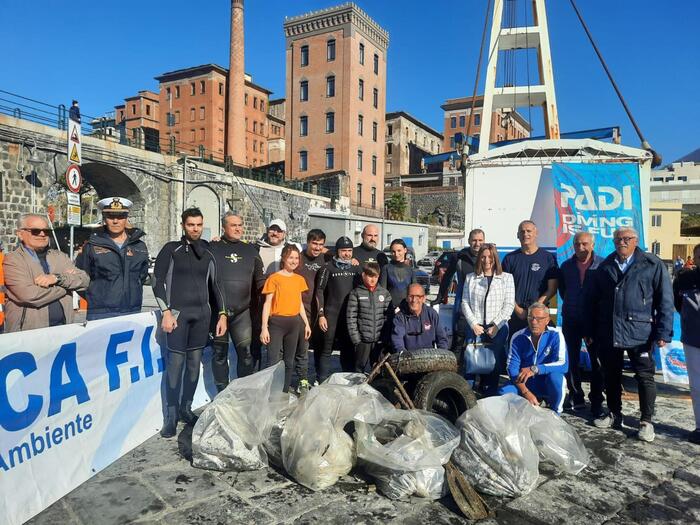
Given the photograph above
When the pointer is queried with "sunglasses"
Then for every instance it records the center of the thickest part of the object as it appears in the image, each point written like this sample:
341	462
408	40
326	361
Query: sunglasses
37	231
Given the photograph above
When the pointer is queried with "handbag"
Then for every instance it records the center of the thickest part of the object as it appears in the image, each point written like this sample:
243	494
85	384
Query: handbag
478	358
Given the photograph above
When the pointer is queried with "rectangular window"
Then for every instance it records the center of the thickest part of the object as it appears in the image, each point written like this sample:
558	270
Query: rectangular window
177	117
245	99
330	50
390	129
255	146
374	195
304	56
303	161
656	248
192	114
453	122
374	164
148	109
389	149
202	87
656	220
255	127
330	86
477	119
330	122
255	102
359	194
388	167
192	135
329	158
262	105
133	109
202	113
375	97
177	91
375	127
221	114
362	53
304	90
461	121
359	160
221	88
202	134
361	89
192	88
303	126
167	92
262	128
376	64
360	125
452	142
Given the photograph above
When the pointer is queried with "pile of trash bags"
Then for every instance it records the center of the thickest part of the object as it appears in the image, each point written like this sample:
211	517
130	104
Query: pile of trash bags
503	439
322	435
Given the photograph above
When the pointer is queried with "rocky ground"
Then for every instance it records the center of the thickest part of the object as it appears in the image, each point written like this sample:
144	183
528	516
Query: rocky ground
627	482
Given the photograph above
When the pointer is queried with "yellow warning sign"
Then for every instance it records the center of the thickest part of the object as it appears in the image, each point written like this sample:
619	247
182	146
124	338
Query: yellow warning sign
74	155
74	135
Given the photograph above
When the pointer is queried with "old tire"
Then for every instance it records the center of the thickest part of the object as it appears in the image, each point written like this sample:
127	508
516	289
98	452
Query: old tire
445	393
422	361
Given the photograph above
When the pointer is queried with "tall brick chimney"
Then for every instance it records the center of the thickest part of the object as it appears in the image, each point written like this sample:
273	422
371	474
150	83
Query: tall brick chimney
235	113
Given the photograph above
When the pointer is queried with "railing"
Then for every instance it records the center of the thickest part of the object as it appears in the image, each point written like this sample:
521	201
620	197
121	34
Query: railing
367	211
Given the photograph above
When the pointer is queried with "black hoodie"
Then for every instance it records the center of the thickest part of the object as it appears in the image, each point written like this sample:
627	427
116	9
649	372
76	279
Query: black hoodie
462	264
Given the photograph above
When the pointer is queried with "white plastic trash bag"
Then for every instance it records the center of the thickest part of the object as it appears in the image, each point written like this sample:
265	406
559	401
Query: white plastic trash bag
406	451
557	441
230	432
273	445
496	453
316	451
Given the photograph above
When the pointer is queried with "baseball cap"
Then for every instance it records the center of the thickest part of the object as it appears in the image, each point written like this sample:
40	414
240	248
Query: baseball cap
279	223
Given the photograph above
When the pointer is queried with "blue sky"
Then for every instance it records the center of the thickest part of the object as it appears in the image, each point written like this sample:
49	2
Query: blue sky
101	52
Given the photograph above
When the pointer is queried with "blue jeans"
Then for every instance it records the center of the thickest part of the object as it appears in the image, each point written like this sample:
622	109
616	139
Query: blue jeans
488	383
548	386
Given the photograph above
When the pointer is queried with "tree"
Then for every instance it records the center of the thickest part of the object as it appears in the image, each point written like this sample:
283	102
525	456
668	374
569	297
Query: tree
396	206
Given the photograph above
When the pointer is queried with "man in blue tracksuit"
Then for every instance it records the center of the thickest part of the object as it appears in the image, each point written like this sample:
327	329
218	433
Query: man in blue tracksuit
537	362
417	326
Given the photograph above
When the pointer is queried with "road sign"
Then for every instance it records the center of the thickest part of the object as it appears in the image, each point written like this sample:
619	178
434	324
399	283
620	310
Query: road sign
74	179
75	140
73	208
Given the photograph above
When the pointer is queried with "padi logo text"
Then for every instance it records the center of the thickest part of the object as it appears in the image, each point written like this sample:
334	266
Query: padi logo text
607	198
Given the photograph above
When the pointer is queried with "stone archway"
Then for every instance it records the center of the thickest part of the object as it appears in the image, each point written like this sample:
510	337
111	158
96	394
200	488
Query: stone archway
109	181
207	200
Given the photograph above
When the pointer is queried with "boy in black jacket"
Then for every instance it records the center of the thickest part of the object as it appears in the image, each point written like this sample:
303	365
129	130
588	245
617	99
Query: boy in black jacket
368	308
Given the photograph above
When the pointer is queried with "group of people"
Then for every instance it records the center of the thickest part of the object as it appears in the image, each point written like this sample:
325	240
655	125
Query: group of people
278	296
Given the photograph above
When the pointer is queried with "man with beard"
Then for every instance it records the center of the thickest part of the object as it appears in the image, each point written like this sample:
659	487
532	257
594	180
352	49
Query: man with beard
241	274
460	265
312	260
335	282
184	274
369	251
116	259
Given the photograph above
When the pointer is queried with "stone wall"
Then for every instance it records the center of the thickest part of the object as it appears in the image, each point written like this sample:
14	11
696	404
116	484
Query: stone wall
425	201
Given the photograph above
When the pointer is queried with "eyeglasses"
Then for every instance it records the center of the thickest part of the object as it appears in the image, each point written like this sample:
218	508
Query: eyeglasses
626	240
538	319
416	297
37	231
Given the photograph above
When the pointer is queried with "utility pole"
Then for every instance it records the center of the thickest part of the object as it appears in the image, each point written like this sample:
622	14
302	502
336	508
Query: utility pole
184	182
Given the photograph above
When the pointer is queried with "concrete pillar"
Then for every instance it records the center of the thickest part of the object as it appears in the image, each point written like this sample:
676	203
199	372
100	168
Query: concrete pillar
235	113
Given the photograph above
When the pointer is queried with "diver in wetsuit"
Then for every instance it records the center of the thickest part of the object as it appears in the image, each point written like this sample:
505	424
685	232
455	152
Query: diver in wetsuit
184	272
240	272
335	282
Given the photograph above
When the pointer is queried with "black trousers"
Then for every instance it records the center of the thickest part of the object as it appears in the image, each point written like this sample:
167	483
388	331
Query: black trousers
284	341
459	333
181	374
336	336
240	330
644	367
366	353
573	335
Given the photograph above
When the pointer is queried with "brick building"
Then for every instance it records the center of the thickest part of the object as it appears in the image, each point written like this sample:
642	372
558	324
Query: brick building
275	139
458	111
335	100
137	120
408	140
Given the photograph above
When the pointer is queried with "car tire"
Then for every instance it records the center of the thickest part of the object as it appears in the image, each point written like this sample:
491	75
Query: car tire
422	361
445	393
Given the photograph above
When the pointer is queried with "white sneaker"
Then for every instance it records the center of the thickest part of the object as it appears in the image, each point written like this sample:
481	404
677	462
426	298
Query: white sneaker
646	432
609	420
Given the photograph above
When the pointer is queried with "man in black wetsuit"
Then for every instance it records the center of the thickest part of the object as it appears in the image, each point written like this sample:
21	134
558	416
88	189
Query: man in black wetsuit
240	274
312	260
335	282
368	251
184	274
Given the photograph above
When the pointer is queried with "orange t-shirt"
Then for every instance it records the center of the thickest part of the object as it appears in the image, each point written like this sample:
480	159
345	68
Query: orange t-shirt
286	290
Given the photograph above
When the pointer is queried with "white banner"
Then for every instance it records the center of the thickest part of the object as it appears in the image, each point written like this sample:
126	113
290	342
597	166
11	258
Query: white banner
73	399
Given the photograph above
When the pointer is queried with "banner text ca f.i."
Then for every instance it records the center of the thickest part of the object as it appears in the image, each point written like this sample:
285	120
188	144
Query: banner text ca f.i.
72	400
596	198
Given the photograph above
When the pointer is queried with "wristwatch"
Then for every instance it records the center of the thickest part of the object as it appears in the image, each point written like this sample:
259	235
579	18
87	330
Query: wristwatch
534	369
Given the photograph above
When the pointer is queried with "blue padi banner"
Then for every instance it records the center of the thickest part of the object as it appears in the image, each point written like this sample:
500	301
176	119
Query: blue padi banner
596	198
73	399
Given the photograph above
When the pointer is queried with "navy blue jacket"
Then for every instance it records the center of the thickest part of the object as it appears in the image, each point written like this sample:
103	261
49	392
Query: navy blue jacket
630	309
116	275
571	289
412	332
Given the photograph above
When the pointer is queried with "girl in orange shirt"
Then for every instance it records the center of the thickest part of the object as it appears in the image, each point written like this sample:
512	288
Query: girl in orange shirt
284	315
